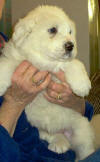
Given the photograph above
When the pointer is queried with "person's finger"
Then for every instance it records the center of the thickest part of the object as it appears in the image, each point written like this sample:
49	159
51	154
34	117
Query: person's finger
67	87
56	95
56	87
52	93
44	84
53	100
19	70
30	71
40	76
34	81
22	67
60	87
60	75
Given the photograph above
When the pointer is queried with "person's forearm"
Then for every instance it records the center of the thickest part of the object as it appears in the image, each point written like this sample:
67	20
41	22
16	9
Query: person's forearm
76	103
79	105
9	115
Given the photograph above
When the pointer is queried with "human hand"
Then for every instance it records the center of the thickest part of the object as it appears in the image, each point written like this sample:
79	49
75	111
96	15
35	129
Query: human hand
61	94
26	84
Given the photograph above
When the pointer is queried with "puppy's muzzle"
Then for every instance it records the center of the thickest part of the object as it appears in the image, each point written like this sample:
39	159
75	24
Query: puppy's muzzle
69	47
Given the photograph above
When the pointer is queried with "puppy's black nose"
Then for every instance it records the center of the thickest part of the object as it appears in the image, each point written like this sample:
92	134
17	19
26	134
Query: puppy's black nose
69	46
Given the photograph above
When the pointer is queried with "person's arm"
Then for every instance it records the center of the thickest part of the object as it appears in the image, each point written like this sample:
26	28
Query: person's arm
22	92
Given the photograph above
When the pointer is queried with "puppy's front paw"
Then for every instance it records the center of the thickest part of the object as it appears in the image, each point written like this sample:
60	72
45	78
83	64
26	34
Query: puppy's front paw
77	78
60	145
82	88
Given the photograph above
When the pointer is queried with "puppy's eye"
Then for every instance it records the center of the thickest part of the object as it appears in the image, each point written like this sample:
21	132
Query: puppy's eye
70	32
52	30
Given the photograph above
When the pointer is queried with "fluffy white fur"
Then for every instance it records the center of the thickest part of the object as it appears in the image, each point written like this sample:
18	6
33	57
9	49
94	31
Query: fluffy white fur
32	41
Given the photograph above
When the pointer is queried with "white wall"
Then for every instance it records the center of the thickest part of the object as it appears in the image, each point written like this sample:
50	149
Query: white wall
76	9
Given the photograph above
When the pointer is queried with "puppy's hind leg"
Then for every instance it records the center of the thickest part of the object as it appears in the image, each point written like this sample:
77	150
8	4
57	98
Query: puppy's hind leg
57	142
82	138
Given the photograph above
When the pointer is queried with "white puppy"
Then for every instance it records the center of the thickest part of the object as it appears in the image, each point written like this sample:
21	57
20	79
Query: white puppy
46	38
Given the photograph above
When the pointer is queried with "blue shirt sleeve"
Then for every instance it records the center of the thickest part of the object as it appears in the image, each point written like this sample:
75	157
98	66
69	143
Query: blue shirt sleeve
9	150
4	36
88	110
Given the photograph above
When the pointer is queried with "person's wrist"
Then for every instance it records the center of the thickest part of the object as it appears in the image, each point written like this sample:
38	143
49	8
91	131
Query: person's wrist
76	103
9	115
14	106
80	104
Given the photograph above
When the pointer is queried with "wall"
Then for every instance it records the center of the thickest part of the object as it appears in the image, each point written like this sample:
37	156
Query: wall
76	9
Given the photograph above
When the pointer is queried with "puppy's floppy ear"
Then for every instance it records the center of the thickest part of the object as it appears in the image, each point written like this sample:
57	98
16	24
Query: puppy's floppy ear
22	30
